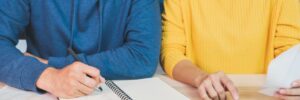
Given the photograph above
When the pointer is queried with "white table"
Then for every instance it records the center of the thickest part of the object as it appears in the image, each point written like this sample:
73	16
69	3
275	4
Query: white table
248	86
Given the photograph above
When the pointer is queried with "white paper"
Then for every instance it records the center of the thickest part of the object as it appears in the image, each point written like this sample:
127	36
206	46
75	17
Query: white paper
10	93
282	71
143	89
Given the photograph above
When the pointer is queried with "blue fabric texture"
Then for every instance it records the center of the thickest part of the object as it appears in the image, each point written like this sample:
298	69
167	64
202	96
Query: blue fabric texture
120	37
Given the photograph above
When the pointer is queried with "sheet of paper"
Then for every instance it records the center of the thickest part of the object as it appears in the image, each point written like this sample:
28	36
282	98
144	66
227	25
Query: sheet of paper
106	94
143	89
150	89
282	71
10	93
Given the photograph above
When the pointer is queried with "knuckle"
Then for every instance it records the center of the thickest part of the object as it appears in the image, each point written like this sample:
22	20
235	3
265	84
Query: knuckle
214	95
211	77
97	71
203	97
208	83
220	91
200	87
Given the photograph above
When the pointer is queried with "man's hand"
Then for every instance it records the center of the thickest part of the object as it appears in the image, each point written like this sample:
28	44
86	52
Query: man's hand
290	94
214	87
38	58
70	82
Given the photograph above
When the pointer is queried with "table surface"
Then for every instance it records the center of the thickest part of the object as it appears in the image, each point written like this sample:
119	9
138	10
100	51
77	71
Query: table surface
248	86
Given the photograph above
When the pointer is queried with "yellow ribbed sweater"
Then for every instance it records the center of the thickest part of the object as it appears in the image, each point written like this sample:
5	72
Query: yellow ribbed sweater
234	36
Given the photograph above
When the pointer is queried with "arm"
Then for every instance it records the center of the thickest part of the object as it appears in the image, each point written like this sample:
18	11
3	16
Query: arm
174	61
16	69
288	27
138	57
287	35
181	68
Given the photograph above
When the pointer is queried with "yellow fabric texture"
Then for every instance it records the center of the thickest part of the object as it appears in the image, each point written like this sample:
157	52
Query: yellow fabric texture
234	36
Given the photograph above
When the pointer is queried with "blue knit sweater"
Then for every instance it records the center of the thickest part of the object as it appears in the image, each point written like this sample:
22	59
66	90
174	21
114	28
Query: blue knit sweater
120	37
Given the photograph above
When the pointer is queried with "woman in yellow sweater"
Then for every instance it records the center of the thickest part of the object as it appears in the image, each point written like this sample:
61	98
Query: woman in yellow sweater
203	39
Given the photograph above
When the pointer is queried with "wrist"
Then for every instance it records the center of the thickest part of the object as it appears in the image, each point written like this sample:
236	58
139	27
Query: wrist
46	78
200	78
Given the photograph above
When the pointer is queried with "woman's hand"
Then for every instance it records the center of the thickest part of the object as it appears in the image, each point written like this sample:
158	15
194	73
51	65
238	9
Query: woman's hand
290	94
214	87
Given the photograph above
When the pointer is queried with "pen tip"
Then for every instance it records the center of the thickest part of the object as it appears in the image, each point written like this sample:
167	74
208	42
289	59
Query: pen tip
100	88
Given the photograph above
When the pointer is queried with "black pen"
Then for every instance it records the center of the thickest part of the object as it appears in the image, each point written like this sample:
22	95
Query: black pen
71	51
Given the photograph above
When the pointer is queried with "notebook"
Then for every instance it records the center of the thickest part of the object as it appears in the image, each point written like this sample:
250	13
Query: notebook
142	89
282	71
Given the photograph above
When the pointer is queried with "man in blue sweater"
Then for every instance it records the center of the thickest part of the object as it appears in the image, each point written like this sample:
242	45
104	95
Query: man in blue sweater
120	38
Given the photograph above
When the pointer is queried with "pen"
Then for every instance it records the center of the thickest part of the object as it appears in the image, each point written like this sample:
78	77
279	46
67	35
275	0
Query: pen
70	50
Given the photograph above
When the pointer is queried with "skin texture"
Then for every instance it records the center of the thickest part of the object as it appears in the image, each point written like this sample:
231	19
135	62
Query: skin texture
71	81
210	86
213	86
289	94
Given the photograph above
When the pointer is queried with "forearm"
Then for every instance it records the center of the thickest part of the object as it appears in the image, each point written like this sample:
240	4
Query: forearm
187	72
127	62
21	72
288	27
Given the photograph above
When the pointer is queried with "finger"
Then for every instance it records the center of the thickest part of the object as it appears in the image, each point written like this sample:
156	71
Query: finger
296	84
84	89
87	81
102	80
210	89
219	88
74	93
231	88
93	72
72	89
290	92
284	97
203	94
78	93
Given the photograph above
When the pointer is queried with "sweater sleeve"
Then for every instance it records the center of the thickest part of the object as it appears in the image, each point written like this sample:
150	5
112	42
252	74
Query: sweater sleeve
16	70
139	55
288	26
174	37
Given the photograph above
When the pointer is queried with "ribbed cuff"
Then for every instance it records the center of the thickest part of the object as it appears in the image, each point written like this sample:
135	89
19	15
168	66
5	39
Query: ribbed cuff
60	62
171	62
31	74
